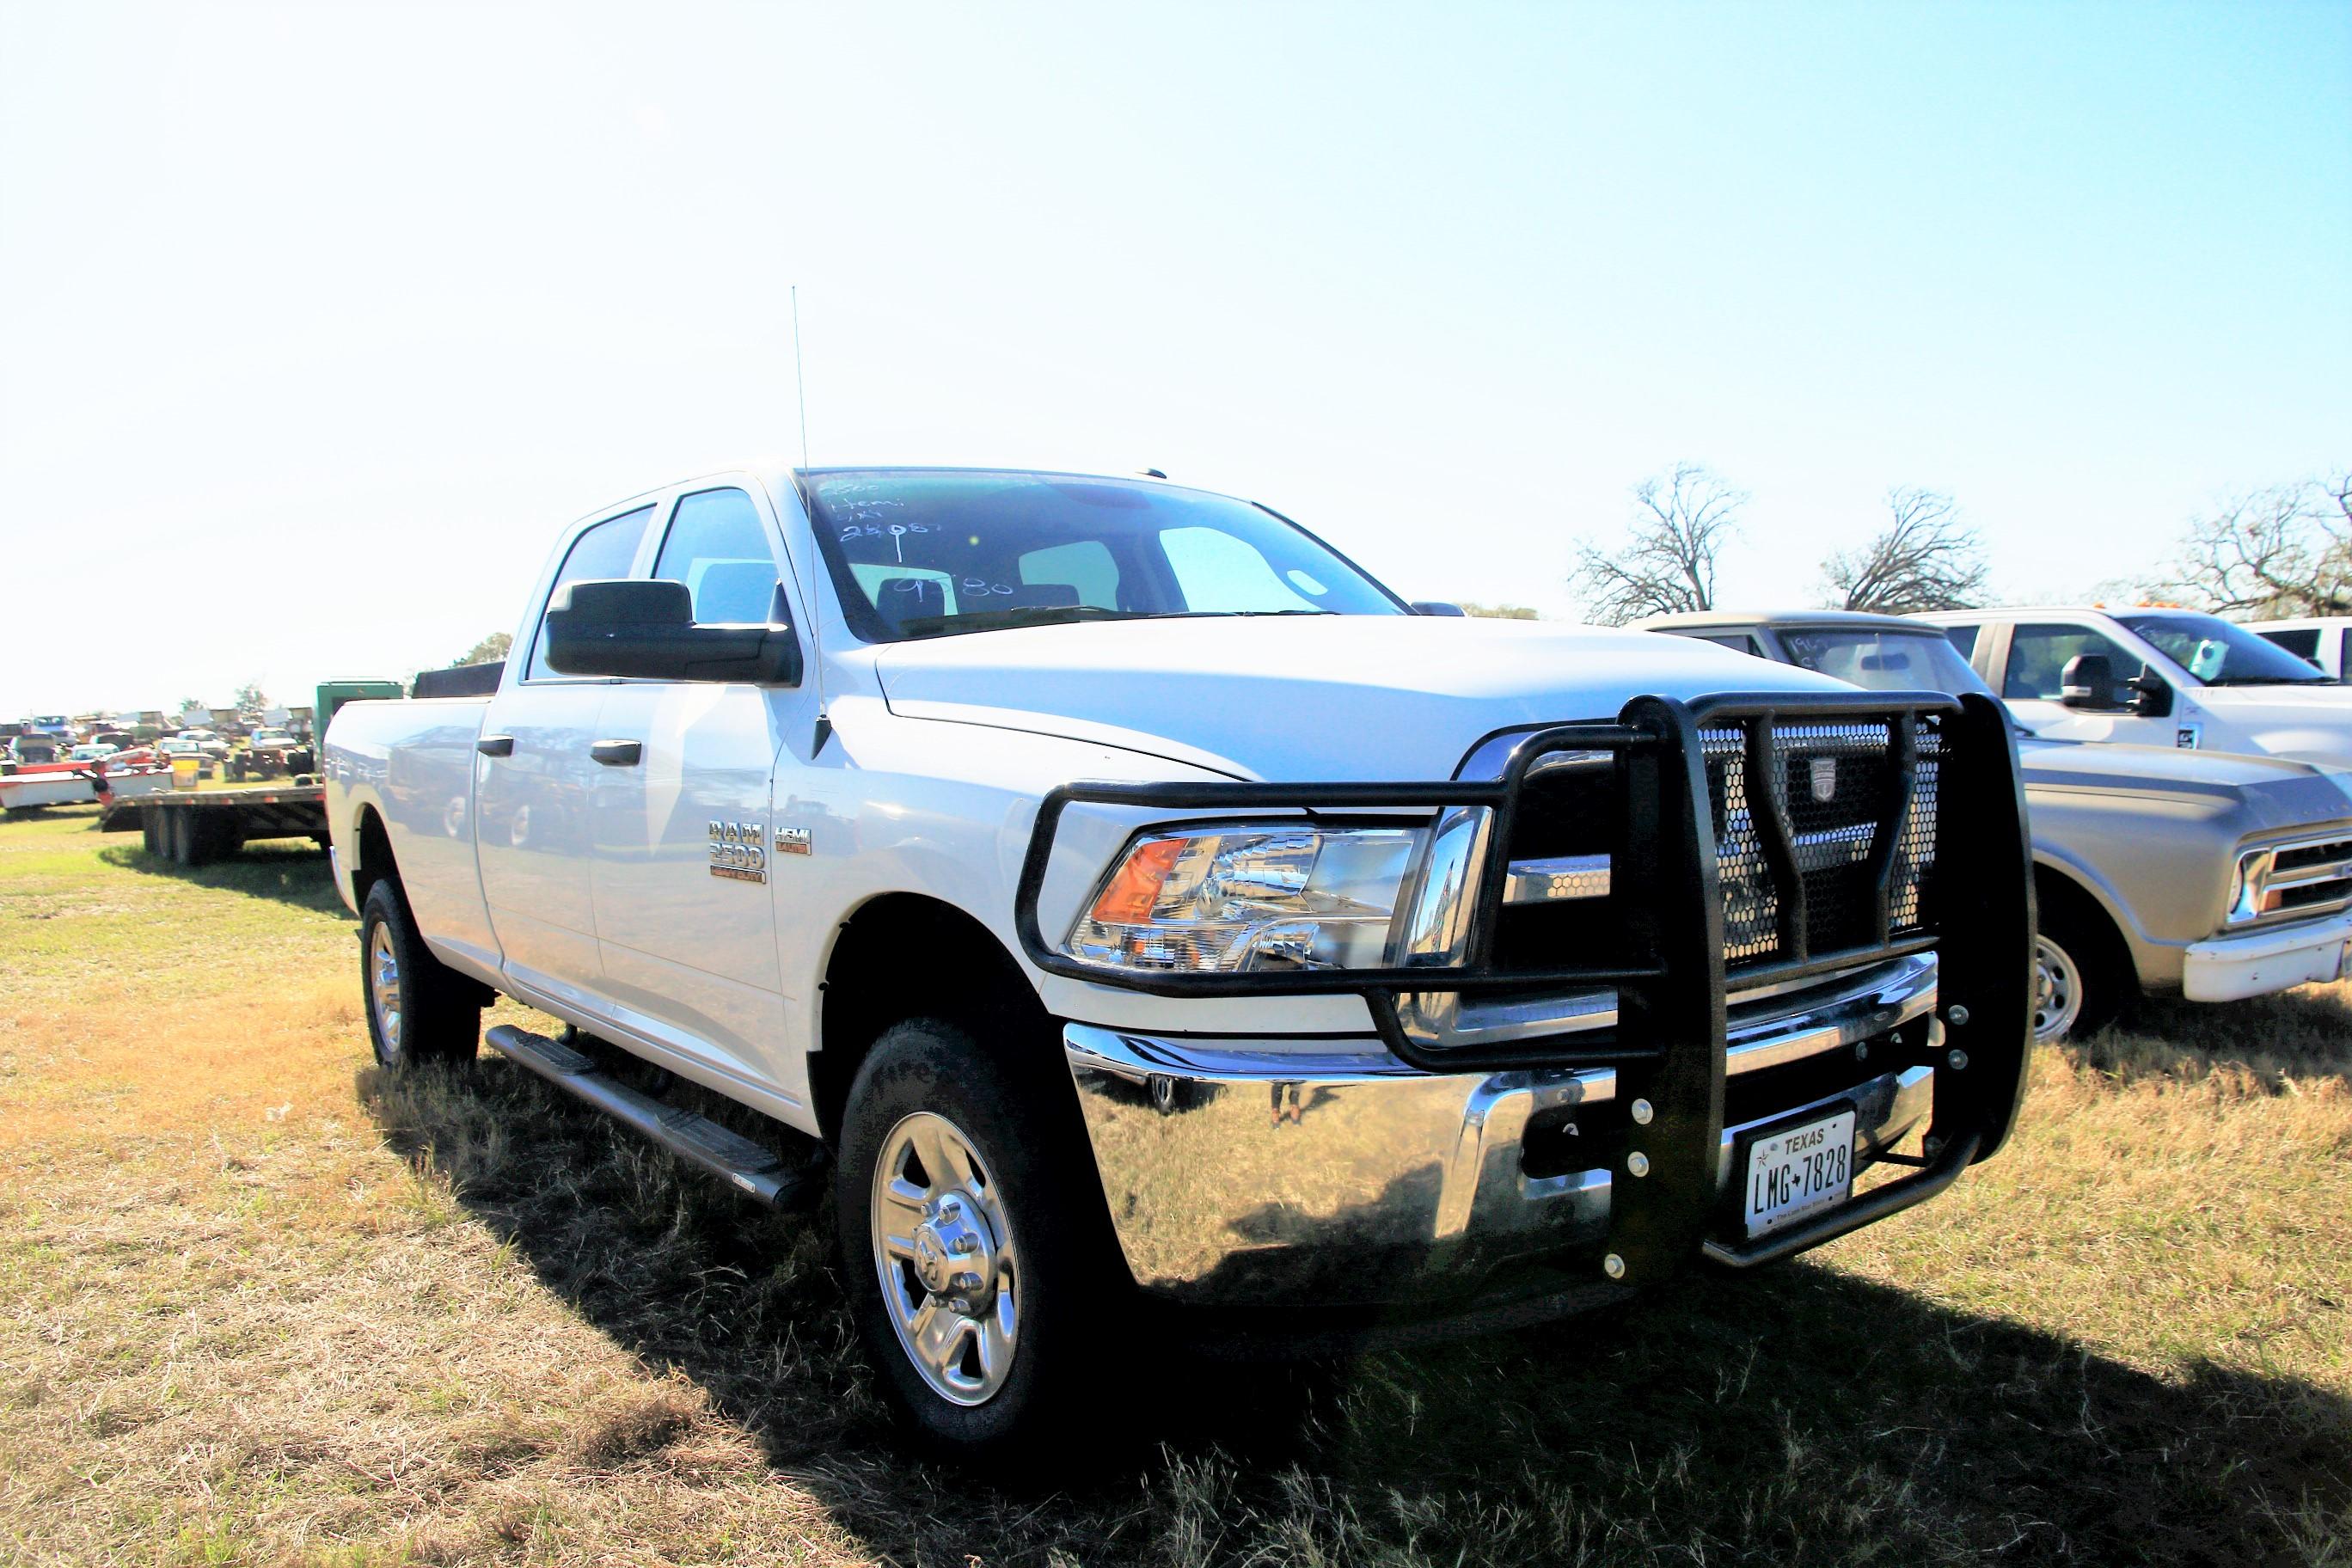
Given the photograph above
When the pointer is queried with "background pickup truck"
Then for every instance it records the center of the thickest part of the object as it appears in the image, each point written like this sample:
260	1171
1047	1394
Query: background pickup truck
1156	921
2155	869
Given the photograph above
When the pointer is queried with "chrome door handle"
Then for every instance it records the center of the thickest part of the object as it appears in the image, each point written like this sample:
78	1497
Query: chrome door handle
617	753
496	745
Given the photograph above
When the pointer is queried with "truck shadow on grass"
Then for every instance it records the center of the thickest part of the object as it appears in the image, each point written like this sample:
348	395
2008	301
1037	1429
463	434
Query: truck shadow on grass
1800	1415
2304	1032
292	875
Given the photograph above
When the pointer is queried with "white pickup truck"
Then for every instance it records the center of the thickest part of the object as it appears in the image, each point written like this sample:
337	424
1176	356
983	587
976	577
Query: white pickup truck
1170	936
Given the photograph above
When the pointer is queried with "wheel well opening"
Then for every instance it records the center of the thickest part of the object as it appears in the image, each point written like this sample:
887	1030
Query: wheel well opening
906	956
374	855
2065	904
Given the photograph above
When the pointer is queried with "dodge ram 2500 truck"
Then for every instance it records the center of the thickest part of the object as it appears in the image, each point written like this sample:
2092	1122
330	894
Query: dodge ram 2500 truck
1169	932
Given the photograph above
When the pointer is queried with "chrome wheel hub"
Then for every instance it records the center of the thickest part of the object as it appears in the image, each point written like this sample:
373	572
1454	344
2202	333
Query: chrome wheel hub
384	987
944	1252
2057	990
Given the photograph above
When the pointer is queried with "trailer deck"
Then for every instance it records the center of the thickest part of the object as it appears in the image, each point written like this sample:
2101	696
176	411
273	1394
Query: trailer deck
192	827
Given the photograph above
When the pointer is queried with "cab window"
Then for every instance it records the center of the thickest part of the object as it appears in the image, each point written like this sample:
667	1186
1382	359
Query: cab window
1964	638
604	551
719	548
2038	656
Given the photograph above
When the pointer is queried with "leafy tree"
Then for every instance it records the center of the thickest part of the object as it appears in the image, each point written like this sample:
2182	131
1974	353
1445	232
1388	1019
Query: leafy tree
1681	521
2284	551
490	649
251	699
1926	559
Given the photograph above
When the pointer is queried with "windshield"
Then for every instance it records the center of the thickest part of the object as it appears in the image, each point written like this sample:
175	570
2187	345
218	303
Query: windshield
2220	654
917	553
1884	661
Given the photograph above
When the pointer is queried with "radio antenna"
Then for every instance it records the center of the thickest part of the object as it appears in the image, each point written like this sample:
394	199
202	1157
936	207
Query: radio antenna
800	382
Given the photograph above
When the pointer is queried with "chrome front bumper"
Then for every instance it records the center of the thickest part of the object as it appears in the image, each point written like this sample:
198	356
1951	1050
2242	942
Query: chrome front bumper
2257	963
1328	1171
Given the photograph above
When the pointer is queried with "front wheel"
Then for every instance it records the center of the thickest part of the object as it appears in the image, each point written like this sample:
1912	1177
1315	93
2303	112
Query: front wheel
418	1010
980	1272
2076	989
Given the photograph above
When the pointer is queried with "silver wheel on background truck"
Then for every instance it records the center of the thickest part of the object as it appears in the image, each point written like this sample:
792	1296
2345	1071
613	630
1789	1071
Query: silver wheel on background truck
2057	991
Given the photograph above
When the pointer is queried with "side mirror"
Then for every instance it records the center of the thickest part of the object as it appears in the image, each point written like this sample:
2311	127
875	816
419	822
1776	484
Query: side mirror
1437	607
648	630
2088	681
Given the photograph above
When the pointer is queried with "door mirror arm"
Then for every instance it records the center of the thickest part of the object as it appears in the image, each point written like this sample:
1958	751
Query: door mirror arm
2151	696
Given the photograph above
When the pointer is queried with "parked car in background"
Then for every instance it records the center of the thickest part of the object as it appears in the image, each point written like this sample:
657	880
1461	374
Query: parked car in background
1162	924
2154	677
91	752
30	749
2319	638
2211	876
206	742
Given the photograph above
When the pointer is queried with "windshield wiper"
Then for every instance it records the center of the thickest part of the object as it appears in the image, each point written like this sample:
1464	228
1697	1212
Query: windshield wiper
1024	615
2270	681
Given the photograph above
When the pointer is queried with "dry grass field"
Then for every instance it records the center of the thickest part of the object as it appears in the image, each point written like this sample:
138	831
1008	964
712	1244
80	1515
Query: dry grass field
258	1305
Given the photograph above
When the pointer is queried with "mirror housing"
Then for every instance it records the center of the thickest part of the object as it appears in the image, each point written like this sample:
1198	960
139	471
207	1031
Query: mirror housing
2151	698
2088	682
1437	607
647	630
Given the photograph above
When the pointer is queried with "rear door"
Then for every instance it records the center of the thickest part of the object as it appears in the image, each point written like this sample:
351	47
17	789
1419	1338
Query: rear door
685	919
533	783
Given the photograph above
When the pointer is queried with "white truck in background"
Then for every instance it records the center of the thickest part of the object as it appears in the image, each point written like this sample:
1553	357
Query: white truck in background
1156	921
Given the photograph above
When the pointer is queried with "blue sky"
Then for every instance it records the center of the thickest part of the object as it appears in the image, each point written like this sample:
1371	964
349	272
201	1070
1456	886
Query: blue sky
317	324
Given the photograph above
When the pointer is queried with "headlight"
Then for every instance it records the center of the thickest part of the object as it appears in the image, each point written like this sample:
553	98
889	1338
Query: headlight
1228	900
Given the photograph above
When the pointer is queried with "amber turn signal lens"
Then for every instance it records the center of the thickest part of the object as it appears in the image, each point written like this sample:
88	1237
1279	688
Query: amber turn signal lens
1130	896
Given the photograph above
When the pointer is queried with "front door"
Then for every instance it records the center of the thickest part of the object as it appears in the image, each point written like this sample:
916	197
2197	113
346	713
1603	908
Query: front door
533	777
685	919
2033	679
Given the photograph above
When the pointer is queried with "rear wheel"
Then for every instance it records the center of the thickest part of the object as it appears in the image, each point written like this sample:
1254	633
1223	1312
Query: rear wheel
150	830
981	1279
418	1009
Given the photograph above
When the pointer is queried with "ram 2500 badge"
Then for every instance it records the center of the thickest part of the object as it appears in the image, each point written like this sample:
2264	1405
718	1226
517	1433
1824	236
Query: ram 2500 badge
1156	920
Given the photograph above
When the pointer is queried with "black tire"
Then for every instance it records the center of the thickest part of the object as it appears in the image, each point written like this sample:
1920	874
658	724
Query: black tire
423	1011
179	838
150	830
2089	955
1068	1283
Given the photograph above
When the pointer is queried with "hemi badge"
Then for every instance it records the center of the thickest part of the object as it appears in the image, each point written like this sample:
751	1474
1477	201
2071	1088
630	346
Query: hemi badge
792	840
1824	778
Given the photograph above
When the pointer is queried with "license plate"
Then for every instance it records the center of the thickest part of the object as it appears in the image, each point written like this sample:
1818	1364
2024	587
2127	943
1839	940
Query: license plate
1797	1171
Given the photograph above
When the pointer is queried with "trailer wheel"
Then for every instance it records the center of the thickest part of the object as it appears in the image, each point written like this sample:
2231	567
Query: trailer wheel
418	1009
984	1288
150	830
179	836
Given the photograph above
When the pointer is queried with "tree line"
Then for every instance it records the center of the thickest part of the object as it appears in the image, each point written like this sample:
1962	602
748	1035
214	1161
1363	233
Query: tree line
1924	558
2283	551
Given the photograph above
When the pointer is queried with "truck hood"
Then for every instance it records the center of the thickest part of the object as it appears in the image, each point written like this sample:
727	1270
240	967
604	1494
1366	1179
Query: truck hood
1307	697
2310	723
2278	792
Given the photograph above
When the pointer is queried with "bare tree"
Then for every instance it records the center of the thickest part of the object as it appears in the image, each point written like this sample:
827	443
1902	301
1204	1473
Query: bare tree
1927	559
1681	521
2285	550
1498	612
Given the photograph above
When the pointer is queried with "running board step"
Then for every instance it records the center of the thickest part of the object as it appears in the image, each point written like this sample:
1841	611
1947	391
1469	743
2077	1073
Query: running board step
695	1138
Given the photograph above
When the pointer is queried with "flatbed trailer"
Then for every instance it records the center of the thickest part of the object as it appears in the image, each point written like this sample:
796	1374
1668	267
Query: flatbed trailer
192	827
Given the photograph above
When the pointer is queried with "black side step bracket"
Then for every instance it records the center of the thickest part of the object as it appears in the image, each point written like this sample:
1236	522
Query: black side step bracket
749	1167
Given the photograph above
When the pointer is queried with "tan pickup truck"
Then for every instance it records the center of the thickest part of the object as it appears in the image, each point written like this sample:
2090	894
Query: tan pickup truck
2212	876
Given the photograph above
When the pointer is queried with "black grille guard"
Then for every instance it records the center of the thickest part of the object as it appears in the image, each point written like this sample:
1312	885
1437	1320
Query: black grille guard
1669	1045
